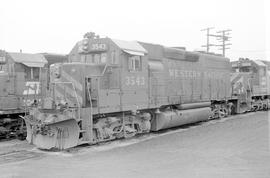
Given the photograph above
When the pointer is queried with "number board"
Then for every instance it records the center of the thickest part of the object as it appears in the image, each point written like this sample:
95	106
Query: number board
98	47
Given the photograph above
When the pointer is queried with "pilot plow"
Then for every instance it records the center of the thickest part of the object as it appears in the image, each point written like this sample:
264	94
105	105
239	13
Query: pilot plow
60	134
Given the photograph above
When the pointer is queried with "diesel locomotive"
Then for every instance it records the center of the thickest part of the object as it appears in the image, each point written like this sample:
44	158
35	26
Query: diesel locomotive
116	89
250	81
21	75
113	89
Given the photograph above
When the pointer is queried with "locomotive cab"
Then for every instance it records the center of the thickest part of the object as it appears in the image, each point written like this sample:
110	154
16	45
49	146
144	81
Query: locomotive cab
256	75
121	72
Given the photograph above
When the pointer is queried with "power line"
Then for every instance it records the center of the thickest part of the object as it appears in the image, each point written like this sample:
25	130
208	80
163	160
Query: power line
222	37
207	38
255	51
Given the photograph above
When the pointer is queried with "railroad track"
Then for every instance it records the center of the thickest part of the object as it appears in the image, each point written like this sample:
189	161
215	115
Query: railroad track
20	151
18	156
147	136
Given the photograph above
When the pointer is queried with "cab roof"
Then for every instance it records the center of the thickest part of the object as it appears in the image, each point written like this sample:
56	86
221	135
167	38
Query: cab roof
131	47
30	60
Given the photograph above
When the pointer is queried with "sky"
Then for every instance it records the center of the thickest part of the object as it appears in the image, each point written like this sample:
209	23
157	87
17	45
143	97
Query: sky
55	26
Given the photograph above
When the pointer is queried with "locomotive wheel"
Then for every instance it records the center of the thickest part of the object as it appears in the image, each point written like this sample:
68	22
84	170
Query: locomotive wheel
223	113
265	107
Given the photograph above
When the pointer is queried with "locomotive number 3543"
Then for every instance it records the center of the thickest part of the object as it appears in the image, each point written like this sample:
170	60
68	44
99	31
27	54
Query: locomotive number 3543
134	80
98	47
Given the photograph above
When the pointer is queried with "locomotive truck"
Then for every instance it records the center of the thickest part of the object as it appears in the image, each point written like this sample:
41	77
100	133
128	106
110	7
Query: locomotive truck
116	89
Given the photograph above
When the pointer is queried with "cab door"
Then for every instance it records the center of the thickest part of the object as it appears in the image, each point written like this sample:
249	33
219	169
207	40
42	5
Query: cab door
109	91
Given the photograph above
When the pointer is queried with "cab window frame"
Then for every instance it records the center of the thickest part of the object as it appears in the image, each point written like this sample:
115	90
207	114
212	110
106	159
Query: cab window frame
32	73
95	58
134	63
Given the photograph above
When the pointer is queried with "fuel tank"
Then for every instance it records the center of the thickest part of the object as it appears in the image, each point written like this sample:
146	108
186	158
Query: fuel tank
174	118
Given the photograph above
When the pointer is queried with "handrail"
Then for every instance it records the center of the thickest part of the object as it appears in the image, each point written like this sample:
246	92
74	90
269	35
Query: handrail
91	106
102	74
90	97
78	104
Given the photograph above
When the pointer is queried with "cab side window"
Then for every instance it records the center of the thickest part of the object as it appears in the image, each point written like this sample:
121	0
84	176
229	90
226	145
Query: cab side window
36	72
135	63
114	58
2	63
32	73
98	58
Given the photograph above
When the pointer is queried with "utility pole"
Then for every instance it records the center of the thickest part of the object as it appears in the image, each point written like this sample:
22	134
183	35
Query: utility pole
223	37
207	38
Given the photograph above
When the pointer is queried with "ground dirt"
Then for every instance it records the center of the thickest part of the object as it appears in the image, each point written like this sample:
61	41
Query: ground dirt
234	147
